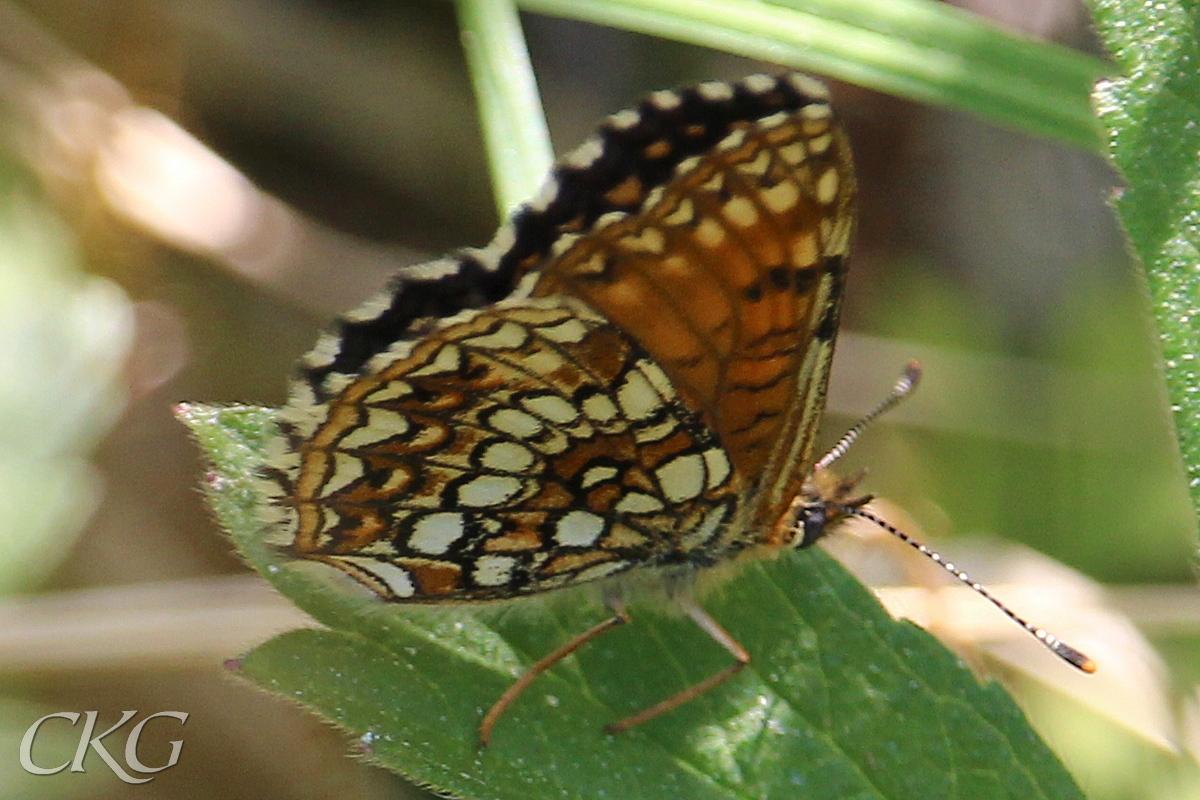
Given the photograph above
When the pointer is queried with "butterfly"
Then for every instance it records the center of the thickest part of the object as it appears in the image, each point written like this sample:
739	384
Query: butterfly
628	378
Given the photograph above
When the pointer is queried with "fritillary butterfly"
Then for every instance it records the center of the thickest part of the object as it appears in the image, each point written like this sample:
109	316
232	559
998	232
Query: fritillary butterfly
629	377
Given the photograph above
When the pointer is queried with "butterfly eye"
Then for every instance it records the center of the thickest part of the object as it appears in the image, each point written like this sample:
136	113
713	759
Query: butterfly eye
813	524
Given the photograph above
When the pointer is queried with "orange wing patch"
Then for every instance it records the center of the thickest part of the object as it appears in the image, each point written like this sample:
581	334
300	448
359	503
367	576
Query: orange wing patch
728	273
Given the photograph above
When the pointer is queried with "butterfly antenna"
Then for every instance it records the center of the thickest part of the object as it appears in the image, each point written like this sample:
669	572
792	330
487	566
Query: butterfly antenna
1052	642
902	389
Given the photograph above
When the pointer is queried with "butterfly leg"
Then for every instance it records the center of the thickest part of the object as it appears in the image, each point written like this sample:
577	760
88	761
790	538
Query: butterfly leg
721	637
620	617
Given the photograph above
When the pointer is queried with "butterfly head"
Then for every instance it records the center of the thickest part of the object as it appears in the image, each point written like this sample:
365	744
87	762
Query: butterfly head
825	500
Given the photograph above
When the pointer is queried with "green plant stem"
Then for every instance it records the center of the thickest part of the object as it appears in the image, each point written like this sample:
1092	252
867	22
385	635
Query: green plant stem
514	127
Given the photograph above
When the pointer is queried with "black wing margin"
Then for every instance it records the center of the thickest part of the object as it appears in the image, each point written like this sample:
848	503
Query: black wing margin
632	153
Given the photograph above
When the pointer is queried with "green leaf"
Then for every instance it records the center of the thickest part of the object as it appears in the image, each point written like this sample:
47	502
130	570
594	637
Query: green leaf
922	50
840	700
1153	122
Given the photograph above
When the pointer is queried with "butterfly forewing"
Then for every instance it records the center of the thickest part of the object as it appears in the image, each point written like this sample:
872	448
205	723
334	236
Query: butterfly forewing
645	395
731	277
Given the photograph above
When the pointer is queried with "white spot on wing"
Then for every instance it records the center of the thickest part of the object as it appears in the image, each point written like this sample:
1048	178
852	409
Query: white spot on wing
507	337
447	359
665	100
741	212
597	475
550	407
808	86
323	352
757	166
759	83
682	478
329	521
396	352
392	390
684	213
544	197
486	491
656	432
302	411
381	423
637	397
731	142
563	243
710	233
568	332
717	466
346	470
648	240
687	165
715	91
434	533
624	120
827	186
507	457
805	251
585	155
515	423
638	503
543	362
781	197
579	529
658	379
599	408
816	111
280	454
336	382
611	218
301	396
820	144
494	570
793	153
774	121
372	308
501	243
431	270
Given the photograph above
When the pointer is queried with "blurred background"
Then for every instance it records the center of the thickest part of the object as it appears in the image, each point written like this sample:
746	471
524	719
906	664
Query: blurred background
189	191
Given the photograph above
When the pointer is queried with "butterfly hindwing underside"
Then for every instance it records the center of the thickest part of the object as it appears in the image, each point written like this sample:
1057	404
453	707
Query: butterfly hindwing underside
629	376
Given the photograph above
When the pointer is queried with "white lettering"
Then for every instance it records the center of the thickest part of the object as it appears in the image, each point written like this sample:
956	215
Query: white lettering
131	744
87	740
27	744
